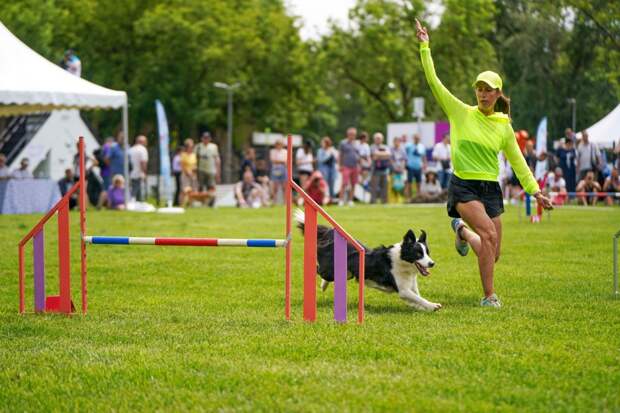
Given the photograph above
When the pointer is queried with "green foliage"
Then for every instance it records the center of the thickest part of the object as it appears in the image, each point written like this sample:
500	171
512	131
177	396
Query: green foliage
202	329
365	74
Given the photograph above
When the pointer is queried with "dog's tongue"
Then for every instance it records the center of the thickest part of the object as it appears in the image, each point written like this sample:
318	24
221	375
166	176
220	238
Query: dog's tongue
422	270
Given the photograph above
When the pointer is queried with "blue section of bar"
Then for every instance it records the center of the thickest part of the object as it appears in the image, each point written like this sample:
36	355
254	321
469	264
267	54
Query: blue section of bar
268	243
110	240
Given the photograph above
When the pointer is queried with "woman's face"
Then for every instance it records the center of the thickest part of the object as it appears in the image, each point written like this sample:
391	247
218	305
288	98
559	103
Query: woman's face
486	96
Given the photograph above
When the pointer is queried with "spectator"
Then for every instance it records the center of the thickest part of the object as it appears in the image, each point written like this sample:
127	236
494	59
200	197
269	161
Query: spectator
349	167
530	155
4	170
587	156
416	163
176	172
22	172
612	184
209	166
115	157
114	198
380	155
138	157
65	184
617	154
248	192
104	161
588	184
567	160
397	170
327	160
542	167
304	160
557	185
188	161
248	162
365	161
277	157
317	189
430	189
441	155
72	63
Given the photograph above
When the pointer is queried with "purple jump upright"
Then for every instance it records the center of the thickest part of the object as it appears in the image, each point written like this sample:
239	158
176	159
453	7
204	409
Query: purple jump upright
340	277
39	271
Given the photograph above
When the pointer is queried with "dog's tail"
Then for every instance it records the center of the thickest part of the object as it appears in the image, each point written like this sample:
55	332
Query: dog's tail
323	233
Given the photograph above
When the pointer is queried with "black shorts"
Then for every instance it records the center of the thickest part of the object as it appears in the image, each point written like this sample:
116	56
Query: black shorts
465	190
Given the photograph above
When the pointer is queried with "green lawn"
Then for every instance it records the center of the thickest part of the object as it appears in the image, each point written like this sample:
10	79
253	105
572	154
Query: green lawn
182	329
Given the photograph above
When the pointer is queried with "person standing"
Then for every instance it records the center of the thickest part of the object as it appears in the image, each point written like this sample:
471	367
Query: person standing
327	161
278	156
397	171
441	155
115	157
365	162
139	158
176	172
567	160
416	163
104	161
248	162
189	182
304	161
478	133
380	155
349	167
209	166
587	156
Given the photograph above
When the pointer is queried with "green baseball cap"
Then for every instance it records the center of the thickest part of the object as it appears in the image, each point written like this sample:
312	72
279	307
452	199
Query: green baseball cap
490	78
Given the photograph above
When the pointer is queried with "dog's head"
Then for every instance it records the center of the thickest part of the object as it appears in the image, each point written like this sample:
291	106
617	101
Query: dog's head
416	251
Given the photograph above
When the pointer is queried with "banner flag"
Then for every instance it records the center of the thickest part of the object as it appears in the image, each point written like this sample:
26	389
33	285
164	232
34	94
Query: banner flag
164	151
541	137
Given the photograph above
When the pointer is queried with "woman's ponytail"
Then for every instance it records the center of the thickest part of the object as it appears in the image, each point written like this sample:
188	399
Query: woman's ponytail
503	105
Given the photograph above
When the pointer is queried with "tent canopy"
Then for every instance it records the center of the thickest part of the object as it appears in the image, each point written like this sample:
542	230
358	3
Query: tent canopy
606	131
30	83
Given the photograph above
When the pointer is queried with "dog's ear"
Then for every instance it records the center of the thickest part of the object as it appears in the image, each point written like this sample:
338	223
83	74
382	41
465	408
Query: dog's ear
409	237
422	237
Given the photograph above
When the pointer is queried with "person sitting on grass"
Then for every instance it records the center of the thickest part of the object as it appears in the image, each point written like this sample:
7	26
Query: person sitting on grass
65	185
430	189
588	184
557	184
612	184
248	192
316	187
114	197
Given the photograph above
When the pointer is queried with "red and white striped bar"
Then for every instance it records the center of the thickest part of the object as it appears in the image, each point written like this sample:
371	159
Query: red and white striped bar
185	242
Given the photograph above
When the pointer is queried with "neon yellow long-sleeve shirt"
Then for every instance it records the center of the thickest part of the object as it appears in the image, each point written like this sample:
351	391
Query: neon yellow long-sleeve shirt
475	138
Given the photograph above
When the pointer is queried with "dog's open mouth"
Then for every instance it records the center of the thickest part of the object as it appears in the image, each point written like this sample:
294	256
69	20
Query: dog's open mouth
422	269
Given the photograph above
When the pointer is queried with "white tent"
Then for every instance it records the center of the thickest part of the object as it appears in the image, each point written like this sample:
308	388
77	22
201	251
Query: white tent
606	131
30	83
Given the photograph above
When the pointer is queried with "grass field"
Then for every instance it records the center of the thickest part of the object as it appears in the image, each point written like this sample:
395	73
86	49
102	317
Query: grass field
181	329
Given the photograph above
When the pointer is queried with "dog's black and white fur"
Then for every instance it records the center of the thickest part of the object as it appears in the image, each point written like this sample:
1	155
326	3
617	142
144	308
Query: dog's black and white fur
389	269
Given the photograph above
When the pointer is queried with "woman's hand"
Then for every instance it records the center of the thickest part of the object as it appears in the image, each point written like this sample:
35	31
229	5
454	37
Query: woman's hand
543	200
421	32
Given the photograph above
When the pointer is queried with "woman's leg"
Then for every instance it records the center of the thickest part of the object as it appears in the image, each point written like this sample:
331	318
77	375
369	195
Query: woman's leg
483	240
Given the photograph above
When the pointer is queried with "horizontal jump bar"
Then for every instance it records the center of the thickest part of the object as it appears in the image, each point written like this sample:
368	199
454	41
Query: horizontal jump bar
185	242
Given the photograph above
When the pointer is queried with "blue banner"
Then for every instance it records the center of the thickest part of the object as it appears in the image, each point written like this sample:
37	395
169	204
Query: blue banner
164	151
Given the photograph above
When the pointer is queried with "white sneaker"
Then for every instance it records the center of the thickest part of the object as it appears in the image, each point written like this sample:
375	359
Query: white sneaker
340	203
491	301
351	203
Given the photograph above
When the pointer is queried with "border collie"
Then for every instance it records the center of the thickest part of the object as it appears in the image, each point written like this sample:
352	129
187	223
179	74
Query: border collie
389	269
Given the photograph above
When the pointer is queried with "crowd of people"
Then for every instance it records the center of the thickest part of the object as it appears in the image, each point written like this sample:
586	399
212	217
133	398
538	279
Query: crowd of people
575	169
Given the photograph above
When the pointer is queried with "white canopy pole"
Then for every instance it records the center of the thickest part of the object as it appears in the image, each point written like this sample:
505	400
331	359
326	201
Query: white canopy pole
126	151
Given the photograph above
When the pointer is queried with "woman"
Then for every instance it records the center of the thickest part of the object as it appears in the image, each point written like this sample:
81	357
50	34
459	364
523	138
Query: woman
327	160
304	160
478	133
277	157
397	170
189	163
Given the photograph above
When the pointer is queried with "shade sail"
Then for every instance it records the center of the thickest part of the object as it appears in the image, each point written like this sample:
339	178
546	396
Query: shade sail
30	83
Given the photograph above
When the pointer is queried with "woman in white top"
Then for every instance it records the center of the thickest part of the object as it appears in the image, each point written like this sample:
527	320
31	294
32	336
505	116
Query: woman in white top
277	157
304	160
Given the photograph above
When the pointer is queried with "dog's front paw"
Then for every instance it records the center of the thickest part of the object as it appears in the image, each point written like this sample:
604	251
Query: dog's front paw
433	306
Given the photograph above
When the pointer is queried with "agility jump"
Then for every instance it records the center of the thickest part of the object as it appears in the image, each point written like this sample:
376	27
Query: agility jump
62	303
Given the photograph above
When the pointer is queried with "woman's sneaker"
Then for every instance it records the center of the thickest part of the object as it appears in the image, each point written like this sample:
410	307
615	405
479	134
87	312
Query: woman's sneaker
462	247
491	301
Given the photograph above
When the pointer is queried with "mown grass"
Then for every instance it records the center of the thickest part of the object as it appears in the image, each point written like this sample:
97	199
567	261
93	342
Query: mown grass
183	329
